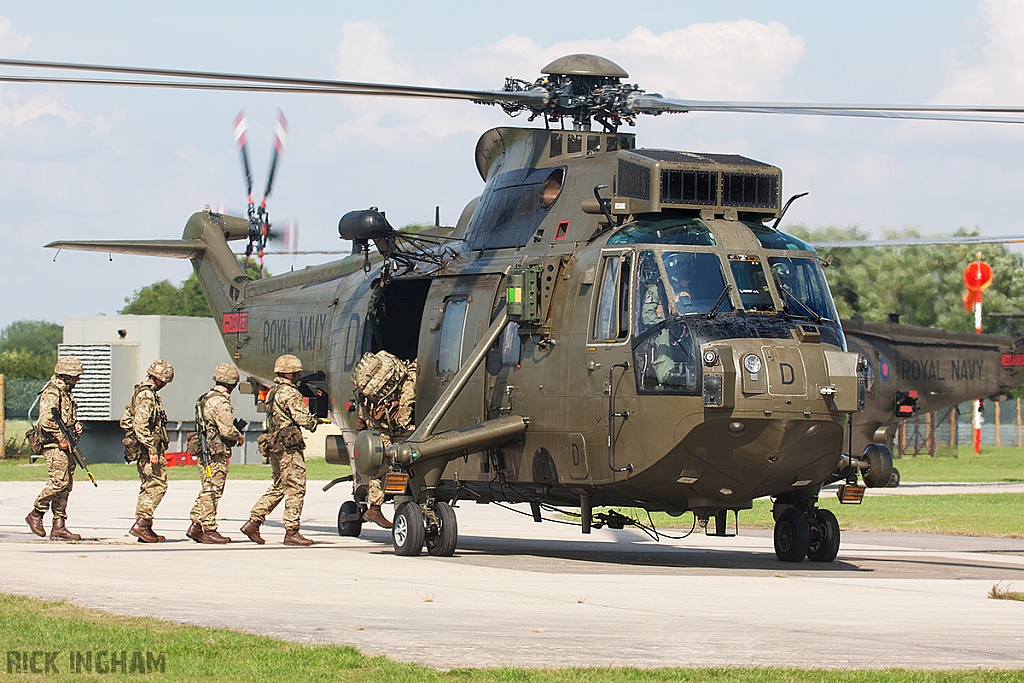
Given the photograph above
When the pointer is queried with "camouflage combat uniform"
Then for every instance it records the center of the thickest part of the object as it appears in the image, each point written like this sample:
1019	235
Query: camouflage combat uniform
221	435
146	420
653	312
56	397
392	417
286	409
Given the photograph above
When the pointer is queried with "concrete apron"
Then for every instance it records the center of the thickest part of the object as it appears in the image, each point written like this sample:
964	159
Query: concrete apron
525	594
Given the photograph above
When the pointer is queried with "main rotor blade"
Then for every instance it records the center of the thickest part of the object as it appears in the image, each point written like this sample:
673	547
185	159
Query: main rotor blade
917	241
287	84
650	104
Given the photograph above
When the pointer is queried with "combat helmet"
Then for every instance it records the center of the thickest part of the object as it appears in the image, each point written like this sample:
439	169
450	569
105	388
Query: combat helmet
162	370
287	363
68	366
225	373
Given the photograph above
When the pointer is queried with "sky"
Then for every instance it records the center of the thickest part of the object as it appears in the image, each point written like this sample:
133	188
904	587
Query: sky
81	162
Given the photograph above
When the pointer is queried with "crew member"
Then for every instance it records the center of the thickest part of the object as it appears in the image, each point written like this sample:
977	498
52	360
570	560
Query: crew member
56	402
214	407
145	423
287	412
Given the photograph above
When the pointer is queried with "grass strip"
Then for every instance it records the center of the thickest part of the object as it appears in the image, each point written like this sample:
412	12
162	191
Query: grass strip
193	653
993	515
1003	464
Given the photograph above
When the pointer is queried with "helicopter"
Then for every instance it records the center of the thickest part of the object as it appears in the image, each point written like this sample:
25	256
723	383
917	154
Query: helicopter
605	325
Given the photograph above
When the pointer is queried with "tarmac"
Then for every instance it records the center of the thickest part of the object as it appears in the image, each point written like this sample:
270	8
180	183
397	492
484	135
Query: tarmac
525	594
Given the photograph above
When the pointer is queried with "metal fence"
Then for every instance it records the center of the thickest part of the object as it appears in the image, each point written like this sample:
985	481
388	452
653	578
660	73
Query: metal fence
952	430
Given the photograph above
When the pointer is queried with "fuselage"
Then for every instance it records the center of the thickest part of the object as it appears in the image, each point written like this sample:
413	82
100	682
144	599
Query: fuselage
633	345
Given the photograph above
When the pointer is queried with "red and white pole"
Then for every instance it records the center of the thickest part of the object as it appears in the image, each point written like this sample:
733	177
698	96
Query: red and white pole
977	277
978	417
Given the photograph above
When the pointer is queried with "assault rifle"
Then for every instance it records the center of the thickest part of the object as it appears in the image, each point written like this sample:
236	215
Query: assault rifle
71	436
204	448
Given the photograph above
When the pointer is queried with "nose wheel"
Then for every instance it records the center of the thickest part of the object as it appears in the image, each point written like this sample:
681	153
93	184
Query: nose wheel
415	525
792	535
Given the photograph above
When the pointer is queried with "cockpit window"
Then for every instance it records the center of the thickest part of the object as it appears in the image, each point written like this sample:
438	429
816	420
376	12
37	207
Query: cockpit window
674	283
770	238
751	283
802	279
680	230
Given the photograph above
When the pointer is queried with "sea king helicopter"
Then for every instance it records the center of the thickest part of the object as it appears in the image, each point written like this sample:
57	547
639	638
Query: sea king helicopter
605	325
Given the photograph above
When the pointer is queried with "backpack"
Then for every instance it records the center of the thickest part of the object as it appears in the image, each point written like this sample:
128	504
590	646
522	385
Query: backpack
377	376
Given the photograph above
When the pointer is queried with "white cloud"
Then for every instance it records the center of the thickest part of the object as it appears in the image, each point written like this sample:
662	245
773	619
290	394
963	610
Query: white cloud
11	43
13	112
998	78
724	60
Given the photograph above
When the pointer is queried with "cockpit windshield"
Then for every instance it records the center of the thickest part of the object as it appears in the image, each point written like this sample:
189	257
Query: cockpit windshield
672	230
676	283
751	283
802	279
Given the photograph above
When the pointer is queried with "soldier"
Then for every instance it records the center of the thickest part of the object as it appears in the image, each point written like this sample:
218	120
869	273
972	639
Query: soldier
145	423
284	446
56	402
216	412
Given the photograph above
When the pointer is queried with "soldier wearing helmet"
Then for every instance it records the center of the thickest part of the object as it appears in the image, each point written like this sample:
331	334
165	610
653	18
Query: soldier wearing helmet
214	407
56	402
283	445
145	424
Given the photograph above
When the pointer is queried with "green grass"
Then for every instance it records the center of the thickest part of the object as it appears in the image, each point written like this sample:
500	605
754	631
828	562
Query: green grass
193	653
994	464
18	469
981	514
1001	592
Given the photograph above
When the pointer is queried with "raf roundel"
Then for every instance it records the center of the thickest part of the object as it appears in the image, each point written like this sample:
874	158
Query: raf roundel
884	369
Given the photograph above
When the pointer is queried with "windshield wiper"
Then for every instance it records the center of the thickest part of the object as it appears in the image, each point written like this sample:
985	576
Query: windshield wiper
721	297
792	297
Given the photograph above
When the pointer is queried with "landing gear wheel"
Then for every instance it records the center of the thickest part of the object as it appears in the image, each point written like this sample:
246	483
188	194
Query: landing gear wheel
879	471
347	510
894	481
824	543
792	535
408	530
441	543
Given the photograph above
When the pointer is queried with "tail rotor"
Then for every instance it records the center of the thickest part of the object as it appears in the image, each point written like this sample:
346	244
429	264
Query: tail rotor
259	220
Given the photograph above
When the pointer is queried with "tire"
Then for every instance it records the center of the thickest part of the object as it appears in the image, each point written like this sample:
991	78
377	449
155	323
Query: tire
879	471
895	480
348	508
824	542
408	531
442	542
792	535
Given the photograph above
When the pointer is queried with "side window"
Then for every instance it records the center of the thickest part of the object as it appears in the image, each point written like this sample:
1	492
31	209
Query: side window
611	322
449	356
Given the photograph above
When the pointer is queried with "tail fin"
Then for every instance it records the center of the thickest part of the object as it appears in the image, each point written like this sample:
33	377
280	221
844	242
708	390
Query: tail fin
204	241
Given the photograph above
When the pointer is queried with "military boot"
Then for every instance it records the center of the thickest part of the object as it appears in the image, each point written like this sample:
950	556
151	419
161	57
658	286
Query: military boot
293	537
373	514
252	530
213	537
143	530
61	533
194	532
35	523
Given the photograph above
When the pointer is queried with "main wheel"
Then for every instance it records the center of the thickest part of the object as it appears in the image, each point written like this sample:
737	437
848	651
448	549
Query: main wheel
879	471
347	526
824	543
408	530
441	542
792	535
